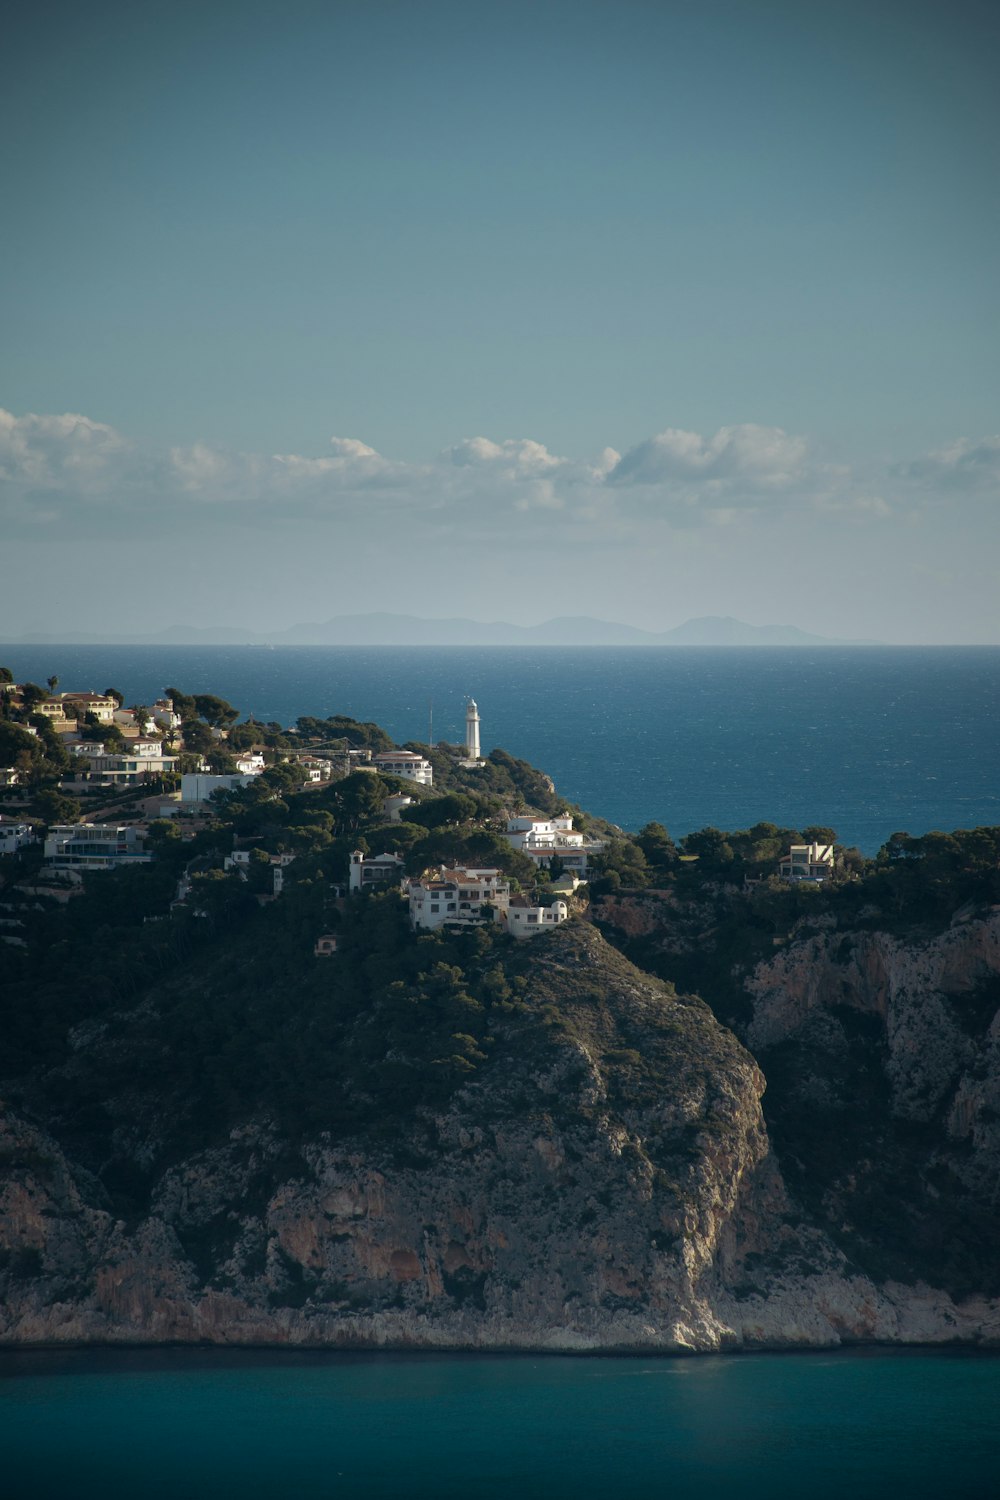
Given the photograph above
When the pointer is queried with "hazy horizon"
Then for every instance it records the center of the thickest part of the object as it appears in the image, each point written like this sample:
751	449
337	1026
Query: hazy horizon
645	313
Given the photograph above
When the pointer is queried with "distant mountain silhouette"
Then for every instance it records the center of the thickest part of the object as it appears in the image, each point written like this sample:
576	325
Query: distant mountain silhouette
382	629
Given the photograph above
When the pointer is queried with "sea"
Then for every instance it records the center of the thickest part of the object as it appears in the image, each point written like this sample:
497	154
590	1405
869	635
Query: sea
257	1425
866	740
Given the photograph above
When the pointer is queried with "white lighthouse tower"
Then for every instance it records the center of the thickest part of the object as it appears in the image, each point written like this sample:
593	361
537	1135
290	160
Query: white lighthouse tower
472	730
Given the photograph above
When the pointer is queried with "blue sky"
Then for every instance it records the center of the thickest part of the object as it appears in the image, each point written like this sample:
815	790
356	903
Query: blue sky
713	286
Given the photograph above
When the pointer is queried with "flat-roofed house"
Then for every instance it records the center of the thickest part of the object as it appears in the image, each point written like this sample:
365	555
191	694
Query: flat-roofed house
405	763
807	862
525	918
544	839
94	846
368	870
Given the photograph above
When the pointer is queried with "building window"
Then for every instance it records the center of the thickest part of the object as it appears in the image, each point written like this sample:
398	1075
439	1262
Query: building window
435	906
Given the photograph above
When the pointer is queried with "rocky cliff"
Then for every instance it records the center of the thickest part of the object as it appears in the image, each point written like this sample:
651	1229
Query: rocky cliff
604	1179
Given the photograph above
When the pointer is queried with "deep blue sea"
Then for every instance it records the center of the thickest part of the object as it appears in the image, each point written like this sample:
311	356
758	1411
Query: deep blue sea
187	1425
868	740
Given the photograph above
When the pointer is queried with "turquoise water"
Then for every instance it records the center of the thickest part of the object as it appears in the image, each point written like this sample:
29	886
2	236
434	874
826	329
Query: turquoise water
868	740
246	1425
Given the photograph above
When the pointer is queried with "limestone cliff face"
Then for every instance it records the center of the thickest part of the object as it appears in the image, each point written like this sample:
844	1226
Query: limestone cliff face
883	1056
606	1182
565	1201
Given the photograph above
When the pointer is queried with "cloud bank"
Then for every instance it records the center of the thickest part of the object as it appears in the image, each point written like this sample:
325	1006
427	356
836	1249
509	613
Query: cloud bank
55	469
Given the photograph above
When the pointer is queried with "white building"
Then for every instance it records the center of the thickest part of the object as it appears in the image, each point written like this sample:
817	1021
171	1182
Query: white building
162	713
525	919
807	862
368	870
240	860
543	839
314	768
92	749
198	786
14	836
94	846
132	766
405	763
394	805
469	897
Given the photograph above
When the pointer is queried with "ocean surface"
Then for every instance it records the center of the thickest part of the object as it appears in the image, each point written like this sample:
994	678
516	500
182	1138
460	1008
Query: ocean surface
867	740
183	1425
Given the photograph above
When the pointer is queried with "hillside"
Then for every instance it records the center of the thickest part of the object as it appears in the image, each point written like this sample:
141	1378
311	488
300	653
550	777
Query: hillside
456	1140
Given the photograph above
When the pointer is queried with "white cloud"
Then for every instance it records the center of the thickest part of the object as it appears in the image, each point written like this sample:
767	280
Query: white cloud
745	456
56	452
518	455
963	465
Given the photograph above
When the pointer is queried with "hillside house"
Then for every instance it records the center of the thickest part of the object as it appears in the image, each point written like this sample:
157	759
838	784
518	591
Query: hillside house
544	839
15	836
525	919
369	870
464	897
94	846
163	715
240	860
141	761
405	763
314	768
326	945
198	786
51	708
807	862
103	709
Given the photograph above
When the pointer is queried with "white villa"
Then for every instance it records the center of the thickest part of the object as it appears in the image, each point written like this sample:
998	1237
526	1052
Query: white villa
14	836
314	768
405	763
240	860
469	897
163	714
94	846
368	870
198	786
140	760
525	919
807	862
542	839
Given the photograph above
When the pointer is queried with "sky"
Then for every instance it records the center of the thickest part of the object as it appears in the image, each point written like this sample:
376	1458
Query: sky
636	310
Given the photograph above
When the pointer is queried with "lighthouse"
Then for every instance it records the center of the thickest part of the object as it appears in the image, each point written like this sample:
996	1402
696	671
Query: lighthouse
472	730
